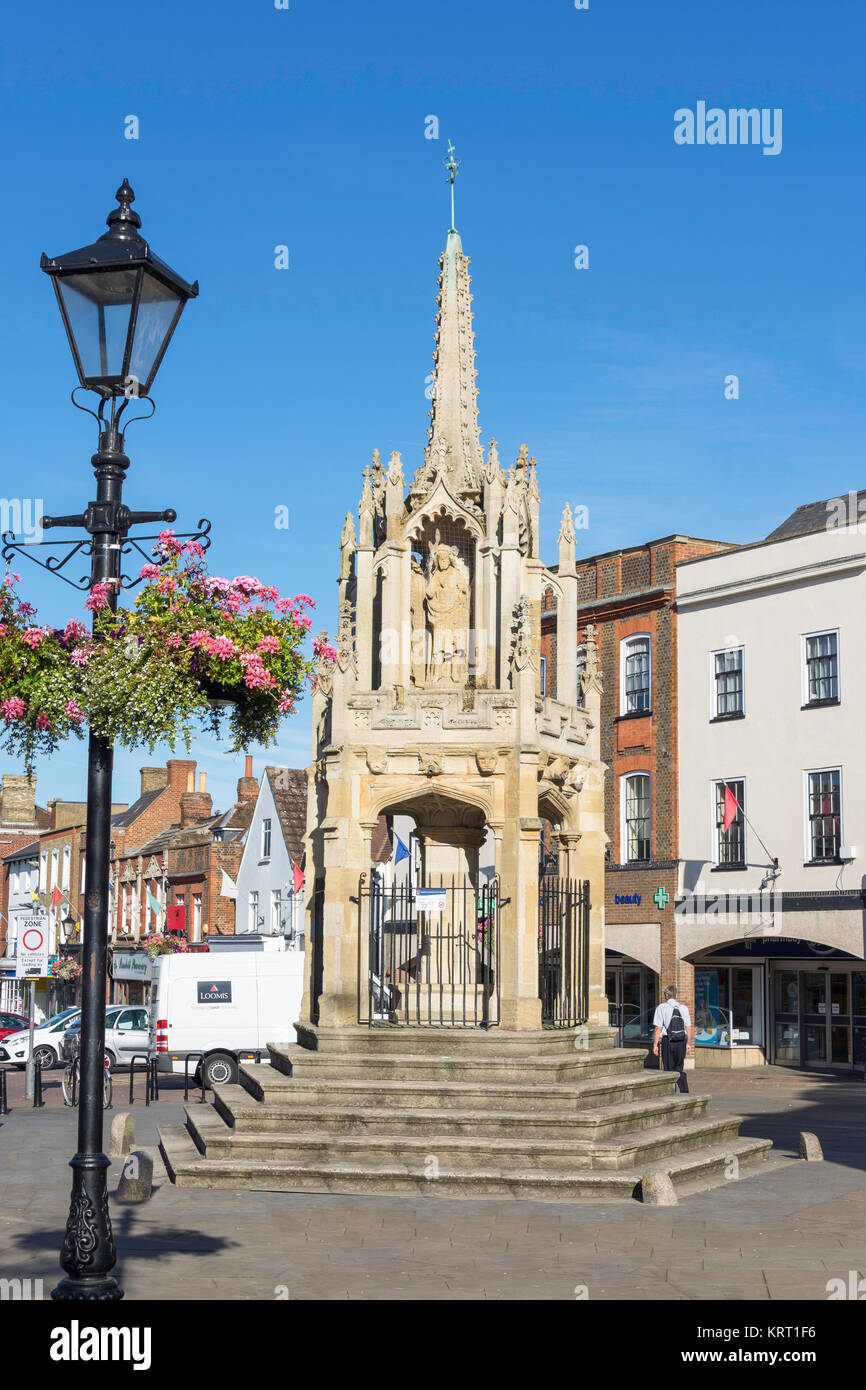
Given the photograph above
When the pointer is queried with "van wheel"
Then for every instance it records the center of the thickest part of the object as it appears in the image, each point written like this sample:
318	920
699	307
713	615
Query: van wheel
220	1069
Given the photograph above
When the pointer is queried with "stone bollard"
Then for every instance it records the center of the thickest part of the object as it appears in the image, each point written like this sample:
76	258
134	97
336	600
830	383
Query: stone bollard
810	1147
122	1135
136	1179
657	1190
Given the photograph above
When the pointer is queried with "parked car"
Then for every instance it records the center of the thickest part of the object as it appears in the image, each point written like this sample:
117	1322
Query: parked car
12	1023
47	1041
126	1035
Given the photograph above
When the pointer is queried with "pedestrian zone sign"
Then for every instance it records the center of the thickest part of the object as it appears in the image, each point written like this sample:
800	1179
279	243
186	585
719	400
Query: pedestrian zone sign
431	900
31	959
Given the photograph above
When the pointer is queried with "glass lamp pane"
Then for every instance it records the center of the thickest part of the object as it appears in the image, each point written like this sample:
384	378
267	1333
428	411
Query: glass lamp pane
98	308
156	315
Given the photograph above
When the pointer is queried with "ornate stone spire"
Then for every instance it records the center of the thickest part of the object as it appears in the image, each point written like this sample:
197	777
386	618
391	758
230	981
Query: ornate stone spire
454	446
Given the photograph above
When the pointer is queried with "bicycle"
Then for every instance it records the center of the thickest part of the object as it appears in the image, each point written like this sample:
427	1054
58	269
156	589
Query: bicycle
71	1082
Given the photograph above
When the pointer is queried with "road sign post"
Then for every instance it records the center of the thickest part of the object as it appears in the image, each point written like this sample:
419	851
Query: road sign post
31	963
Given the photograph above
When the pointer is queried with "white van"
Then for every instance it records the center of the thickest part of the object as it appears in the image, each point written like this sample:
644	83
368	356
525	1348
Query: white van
227	1005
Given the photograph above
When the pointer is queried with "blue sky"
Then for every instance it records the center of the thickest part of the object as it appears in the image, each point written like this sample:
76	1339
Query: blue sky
306	127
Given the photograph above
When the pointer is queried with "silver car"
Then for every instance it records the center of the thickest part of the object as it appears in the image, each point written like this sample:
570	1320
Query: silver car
125	1034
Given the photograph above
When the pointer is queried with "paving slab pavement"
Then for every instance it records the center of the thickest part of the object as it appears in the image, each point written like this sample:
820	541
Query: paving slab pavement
782	1235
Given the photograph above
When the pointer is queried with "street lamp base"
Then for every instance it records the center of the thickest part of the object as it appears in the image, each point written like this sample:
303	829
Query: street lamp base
74	1290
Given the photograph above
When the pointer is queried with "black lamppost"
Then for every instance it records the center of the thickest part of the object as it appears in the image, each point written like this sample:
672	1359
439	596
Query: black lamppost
120	305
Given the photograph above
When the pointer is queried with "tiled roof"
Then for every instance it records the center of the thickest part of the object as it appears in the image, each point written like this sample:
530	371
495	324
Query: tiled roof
813	516
289	790
123	819
26	852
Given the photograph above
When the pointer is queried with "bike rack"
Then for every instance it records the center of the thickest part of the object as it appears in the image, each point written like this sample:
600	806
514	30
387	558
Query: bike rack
151	1088
190	1056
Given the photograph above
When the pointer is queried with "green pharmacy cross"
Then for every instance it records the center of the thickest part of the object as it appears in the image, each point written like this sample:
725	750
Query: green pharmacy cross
661	898
452	165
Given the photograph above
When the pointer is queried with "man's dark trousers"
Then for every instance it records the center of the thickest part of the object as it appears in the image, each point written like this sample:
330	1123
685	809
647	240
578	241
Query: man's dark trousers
673	1059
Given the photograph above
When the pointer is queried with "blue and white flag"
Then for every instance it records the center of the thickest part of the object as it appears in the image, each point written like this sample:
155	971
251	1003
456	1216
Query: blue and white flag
401	850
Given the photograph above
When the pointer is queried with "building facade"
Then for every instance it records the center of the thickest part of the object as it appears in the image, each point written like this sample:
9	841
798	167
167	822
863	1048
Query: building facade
267	899
771	909
627	596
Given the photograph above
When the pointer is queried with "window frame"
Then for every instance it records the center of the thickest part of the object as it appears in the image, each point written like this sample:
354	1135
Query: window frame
542	675
715	712
808	774
267	838
624	645
730	865
806	637
624	780
253	910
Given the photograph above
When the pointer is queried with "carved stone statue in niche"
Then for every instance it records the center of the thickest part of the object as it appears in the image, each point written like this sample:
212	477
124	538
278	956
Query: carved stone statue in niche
418	623
448	615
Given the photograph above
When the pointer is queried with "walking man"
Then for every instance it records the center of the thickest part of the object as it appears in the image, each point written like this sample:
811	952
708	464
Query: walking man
672	1026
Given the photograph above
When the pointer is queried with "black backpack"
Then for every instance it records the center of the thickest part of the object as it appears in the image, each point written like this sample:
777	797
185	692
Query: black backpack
676	1027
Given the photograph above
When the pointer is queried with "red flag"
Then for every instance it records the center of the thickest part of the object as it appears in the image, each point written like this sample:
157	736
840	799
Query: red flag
732	806
299	879
56	897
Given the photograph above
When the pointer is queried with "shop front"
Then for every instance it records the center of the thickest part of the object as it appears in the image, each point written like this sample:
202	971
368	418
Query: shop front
131	976
783	1000
632	995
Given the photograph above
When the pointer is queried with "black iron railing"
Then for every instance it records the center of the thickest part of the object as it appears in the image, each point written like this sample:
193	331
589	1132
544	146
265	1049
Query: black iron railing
563	951
428	954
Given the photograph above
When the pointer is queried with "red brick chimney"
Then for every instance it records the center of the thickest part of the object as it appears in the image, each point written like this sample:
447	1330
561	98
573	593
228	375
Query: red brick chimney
179	772
195	805
248	787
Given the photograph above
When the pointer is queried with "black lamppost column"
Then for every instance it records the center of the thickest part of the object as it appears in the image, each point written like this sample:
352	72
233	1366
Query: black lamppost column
120	306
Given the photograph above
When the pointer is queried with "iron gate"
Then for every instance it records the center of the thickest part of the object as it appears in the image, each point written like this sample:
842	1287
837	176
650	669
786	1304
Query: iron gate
428	954
563	951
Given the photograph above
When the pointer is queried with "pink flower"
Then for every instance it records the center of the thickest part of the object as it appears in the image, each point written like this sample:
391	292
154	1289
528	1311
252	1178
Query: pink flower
167	585
33	636
193	548
174	640
42	721
284	605
302	620
73	711
79	656
223	647
98	597
304	601
169	543
4	628
268	644
247	583
199	638
12	579
150	572
322	649
74	630
27	610
12	708
287	701
218	586
269	592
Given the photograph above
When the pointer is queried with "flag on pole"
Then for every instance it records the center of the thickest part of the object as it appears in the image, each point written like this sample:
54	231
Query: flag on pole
732	806
56	897
153	903
228	889
401	850
298	883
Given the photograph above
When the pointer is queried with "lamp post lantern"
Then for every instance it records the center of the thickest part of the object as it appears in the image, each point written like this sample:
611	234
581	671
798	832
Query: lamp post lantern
120	305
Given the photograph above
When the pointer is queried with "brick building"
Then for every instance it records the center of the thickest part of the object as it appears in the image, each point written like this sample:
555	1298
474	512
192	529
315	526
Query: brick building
628	595
178	860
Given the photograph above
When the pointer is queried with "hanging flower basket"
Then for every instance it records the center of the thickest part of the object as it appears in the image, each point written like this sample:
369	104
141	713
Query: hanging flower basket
192	650
66	970
157	945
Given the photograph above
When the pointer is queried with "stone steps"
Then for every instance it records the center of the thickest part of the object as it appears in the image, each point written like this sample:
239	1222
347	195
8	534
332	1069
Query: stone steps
387	1040
649	1107
460	1112
262	1084
301	1065
678	1128
189	1168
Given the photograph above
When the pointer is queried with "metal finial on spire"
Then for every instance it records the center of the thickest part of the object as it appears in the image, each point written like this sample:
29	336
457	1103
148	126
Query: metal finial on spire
452	165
